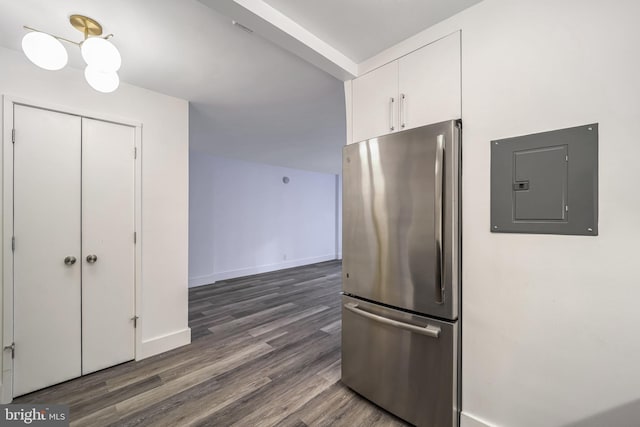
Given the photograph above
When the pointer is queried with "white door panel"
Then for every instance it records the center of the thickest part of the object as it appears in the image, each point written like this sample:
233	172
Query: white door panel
374	112
430	79
46	226
107	232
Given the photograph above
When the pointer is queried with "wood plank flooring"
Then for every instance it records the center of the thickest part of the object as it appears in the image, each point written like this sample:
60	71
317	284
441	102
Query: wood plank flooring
265	351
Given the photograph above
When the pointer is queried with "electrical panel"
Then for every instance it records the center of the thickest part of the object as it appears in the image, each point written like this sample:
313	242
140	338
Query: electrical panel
546	182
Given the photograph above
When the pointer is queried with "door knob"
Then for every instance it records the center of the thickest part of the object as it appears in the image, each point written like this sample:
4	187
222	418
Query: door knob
91	259
69	260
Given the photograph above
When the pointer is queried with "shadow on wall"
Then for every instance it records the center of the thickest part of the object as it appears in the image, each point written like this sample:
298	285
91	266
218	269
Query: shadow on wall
627	415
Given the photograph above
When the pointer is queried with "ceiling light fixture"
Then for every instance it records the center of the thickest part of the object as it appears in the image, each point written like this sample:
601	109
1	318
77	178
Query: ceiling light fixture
101	56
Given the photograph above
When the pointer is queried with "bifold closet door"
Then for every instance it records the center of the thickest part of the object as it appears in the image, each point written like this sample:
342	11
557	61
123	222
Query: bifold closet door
108	270
47	261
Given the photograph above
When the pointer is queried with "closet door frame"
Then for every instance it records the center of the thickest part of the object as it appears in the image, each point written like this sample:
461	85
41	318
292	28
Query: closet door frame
7	316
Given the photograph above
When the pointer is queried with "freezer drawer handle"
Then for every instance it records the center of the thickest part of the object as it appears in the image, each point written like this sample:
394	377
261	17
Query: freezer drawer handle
429	330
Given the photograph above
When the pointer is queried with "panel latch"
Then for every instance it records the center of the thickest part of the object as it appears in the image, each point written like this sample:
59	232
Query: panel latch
521	186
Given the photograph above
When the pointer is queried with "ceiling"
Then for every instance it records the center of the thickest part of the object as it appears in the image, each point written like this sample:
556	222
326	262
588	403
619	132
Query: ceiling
249	98
362	28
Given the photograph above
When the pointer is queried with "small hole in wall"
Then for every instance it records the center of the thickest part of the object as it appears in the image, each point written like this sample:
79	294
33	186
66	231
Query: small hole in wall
285	179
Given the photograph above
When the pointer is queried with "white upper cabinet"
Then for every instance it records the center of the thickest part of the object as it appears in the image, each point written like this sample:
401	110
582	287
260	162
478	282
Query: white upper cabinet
375	100
429	84
418	89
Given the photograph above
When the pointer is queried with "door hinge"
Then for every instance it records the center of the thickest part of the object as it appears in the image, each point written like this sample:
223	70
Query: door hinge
135	237
13	136
135	152
11	347
13	243
135	321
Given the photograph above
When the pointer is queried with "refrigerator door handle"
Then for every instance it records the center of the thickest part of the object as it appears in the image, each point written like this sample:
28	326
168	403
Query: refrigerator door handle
437	215
429	330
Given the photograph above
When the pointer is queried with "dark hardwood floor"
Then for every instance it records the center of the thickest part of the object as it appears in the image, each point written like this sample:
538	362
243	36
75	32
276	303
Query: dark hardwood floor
265	351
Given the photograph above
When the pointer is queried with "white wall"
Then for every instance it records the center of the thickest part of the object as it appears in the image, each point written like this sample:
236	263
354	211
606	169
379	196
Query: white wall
550	323
165	143
244	220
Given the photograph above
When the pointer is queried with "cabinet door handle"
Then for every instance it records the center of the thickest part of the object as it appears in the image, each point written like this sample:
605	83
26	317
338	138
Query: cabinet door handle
391	102
402	120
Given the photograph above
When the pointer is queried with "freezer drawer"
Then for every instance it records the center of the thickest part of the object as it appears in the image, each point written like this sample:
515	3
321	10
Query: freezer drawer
404	363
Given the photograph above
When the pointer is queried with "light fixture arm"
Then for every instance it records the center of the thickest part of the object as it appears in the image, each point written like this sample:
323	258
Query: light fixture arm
26	27
52	35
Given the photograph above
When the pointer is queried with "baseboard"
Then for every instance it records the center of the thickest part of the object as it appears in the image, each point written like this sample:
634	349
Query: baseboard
468	420
230	274
339	255
164	343
201	280
149	348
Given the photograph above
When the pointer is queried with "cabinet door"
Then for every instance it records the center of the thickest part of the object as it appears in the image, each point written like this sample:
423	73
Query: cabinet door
46	260
429	82
375	102
108	256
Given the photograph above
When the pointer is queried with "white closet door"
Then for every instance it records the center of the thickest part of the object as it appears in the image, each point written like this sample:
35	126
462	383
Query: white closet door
47	229
108	334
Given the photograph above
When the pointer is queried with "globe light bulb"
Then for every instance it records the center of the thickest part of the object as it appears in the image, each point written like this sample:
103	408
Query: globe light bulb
44	50
101	81
101	54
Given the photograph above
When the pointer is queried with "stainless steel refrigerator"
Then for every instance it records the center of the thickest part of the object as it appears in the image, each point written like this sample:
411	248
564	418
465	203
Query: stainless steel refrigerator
401	272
